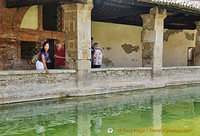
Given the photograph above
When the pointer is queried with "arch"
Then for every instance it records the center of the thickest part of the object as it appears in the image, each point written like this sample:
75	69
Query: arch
30	19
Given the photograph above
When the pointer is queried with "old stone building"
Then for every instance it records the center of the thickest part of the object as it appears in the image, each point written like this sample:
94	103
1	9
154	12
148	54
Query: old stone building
153	41
23	30
116	25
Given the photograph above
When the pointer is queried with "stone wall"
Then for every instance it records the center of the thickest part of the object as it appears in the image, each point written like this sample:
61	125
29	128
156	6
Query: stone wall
16	86
31	85
181	75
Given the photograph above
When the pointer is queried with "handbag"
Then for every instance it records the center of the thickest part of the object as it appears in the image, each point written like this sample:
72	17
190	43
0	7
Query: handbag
35	58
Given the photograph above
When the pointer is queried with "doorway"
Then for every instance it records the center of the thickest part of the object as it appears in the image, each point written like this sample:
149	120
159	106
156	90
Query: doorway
190	58
51	53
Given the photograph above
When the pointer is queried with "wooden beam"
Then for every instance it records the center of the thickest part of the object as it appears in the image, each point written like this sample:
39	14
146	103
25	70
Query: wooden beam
118	13
21	3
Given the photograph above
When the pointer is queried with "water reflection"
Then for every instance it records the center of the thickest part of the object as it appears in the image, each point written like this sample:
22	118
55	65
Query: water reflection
157	118
142	113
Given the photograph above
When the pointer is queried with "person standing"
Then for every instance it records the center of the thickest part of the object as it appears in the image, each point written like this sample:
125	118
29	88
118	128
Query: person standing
92	51
43	58
97	56
59	57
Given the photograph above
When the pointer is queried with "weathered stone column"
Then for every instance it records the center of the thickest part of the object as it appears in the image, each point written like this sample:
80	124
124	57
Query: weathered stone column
152	39
77	27
197	45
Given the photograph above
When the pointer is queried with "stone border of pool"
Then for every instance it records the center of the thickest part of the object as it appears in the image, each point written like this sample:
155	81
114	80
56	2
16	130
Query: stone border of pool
19	86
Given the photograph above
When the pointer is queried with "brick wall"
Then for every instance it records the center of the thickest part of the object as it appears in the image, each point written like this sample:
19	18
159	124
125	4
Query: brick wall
11	35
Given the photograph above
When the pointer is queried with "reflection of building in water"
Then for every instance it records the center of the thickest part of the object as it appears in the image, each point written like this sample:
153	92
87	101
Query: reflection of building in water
157	117
83	121
96	124
90	116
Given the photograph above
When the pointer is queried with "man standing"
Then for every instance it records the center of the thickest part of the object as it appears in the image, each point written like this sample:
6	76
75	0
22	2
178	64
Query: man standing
92	52
59	57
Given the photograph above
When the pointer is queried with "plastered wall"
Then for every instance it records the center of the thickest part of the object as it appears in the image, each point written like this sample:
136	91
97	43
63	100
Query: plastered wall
30	19
176	44
122	45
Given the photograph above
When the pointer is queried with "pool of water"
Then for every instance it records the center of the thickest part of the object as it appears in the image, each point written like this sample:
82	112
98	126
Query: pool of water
172	111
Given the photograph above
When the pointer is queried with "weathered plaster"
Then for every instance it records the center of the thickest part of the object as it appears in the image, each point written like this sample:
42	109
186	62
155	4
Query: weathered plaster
175	49
108	48
197	45
128	48
107	62
168	33
189	36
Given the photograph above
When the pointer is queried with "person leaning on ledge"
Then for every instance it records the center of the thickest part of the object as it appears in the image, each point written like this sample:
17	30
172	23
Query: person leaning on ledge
59	57
43	58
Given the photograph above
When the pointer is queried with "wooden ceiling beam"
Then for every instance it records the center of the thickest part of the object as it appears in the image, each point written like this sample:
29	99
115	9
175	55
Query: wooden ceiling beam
119	13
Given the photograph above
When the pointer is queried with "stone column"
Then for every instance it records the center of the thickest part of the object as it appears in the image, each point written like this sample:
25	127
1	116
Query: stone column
152	39
77	28
197	45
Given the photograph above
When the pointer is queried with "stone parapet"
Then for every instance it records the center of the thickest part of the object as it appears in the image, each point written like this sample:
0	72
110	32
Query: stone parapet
18	86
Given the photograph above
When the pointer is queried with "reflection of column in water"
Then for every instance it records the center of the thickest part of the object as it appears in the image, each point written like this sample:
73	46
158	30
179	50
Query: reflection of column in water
83	121
157	118
96	124
197	108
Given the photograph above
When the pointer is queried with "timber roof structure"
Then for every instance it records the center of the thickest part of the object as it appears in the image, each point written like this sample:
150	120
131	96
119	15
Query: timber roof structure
181	14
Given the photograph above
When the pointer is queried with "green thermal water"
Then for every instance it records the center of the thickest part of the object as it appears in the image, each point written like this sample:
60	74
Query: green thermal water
173	111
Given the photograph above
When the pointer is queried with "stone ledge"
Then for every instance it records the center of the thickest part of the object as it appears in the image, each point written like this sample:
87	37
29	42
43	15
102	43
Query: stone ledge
181	67
121	68
28	72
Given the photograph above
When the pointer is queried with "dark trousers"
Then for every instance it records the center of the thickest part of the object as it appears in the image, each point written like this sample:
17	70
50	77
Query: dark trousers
92	66
60	67
96	66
